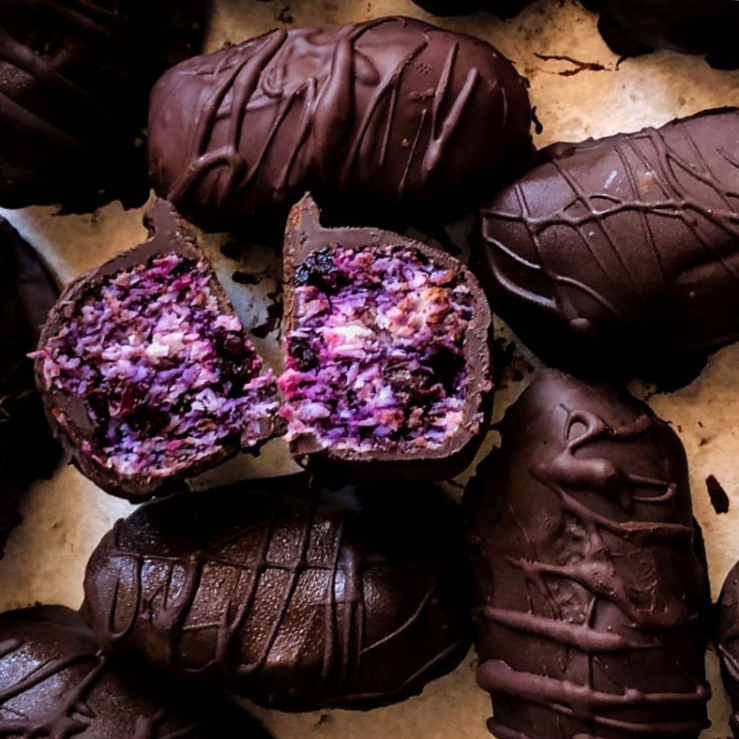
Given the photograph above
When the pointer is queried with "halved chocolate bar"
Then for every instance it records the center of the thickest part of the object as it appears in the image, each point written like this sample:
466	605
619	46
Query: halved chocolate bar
388	356
147	374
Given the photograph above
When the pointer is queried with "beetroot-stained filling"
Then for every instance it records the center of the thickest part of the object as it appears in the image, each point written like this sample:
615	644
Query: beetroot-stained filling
167	376
376	361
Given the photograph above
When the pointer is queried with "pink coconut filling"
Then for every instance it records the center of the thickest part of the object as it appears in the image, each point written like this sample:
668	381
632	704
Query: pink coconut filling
376	360
167	377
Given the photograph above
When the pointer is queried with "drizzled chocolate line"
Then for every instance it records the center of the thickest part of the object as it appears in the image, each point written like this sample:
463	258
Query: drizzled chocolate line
87	15
343	652
653	216
330	122
73	95
677	204
327	113
594	591
163	600
72	716
80	17
67	689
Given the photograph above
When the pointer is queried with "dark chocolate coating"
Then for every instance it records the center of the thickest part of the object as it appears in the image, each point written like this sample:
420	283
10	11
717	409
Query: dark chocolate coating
74	82
592	599
392	118
69	415
296	597
705	27
55	683
501	8
27	448
305	235
621	255
727	613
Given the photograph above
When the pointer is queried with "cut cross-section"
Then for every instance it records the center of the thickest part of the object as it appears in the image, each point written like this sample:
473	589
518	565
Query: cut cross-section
387	350
147	373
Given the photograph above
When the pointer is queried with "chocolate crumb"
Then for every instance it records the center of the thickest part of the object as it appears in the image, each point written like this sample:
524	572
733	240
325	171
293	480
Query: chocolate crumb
509	366
232	249
719	499
323	719
538	125
274	315
285	16
245	278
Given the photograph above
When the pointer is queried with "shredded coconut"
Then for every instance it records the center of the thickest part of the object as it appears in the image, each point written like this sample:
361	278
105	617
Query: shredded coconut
166	375
377	358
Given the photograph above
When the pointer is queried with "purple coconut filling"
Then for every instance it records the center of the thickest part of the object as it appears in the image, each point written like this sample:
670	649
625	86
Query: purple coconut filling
167	376
376	361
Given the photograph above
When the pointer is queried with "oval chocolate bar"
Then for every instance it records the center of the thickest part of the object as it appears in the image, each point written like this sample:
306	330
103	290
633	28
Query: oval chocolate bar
727	612
392	117
296	596
592	595
621	255
74	83
55	683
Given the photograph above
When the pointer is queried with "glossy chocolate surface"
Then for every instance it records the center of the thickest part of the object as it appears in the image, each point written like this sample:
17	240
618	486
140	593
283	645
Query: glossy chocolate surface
592	594
89	426
27	448
74	81
388	118
621	255
728	641
305	240
294	596
705	27
55	683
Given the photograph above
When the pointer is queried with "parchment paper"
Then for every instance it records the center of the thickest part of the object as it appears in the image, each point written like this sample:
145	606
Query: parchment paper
579	89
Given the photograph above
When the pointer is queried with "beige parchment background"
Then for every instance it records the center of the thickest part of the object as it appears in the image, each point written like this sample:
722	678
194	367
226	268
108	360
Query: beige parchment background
585	92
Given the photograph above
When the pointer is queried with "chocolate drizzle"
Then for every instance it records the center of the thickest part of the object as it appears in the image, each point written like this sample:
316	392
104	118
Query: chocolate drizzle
592	596
370	112
54	683
620	255
295	598
73	95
